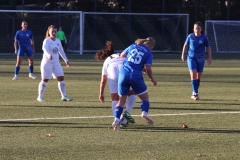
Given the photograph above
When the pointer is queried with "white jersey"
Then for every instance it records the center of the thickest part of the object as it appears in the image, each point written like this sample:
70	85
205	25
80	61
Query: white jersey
52	48
111	68
48	67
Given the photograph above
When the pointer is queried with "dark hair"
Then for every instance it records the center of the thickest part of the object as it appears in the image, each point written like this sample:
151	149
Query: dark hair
200	25
104	53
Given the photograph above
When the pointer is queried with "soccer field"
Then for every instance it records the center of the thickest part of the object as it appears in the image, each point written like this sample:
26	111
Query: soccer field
80	129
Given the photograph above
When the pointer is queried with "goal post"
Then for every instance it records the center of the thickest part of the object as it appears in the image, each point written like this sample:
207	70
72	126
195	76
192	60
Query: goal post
223	35
38	22
169	30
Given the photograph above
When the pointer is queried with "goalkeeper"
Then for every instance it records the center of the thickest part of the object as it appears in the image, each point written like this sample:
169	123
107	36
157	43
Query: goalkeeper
61	36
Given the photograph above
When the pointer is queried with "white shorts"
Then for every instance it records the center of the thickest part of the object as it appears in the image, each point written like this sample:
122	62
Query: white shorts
48	68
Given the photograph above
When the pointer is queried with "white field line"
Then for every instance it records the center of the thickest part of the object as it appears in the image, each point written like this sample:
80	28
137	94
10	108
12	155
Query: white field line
98	117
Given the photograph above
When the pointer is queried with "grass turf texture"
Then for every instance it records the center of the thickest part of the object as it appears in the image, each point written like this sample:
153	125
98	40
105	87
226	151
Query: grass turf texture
79	129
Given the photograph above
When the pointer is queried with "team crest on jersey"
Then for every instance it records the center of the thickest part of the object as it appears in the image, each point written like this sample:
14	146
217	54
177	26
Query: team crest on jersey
27	35
200	41
55	50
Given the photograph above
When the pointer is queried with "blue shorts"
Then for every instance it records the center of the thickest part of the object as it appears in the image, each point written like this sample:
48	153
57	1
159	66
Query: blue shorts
25	49
196	63
125	81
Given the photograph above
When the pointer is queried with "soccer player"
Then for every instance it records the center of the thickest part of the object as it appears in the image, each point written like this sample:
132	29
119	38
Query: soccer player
137	56
50	64
110	71
195	46
61	36
24	40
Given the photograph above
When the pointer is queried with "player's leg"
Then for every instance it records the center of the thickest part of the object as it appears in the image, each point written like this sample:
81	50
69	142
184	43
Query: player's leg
58	72
113	88
129	106
46	72
192	66
200	67
30	55
140	89
20	55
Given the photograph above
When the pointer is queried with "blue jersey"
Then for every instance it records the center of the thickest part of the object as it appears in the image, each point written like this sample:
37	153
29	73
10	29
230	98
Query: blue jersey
197	45
136	57
24	37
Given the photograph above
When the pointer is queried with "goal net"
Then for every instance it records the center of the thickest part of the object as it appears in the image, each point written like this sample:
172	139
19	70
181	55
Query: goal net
223	36
169	30
38	22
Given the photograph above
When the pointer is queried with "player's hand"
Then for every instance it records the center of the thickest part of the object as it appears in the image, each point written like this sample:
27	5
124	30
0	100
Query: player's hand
144	71
209	61
154	81
50	57
101	98
15	52
67	64
183	58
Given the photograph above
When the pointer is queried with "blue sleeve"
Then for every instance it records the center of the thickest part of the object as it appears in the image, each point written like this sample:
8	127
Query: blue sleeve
149	59
16	36
188	40
207	44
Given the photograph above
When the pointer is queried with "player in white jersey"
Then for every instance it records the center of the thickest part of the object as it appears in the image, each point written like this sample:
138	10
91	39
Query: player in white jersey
110	71
50	64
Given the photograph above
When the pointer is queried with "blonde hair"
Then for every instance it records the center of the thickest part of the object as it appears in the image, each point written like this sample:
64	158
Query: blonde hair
47	32
150	40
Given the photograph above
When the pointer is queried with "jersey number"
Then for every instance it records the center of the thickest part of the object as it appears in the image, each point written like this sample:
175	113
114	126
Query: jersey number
135	56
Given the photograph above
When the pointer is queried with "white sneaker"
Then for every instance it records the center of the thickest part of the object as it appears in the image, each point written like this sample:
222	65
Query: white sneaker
40	99
195	97
31	75
66	98
15	78
116	125
147	118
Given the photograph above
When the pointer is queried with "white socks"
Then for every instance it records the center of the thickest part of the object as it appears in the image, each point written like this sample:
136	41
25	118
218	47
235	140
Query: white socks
62	88
41	88
130	103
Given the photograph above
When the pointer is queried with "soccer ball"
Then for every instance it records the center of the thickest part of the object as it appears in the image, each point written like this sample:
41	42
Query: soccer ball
124	122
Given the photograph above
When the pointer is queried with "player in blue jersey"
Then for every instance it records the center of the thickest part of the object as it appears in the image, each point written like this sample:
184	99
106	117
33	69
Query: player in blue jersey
195	45
110	72
138	56
24	40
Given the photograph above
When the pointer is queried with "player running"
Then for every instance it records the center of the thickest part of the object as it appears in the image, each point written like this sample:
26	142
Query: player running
110	71
137	56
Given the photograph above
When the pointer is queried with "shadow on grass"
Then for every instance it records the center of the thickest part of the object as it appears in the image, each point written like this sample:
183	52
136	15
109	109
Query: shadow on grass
173	129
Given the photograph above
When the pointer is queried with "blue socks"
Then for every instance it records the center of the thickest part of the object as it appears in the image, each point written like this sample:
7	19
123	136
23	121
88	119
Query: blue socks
195	85
30	69
118	111
16	70
145	105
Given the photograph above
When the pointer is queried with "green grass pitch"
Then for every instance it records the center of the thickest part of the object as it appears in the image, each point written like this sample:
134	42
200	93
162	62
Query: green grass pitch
80	129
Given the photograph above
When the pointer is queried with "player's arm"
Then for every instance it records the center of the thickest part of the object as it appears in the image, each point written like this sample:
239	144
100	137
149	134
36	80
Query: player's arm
149	73
209	51
63	55
33	45
15	46
102	87
185	46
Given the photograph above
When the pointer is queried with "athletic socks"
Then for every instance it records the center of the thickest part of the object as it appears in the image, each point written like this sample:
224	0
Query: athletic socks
41	88
118	112
130	103
62	88
16	70
195	84
30	69
145	106
114	103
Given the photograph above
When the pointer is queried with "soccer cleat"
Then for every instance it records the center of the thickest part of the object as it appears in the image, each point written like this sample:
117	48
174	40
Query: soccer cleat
15	78
116	125
147	118
40	99
195	97
31	75
66	98
128	117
